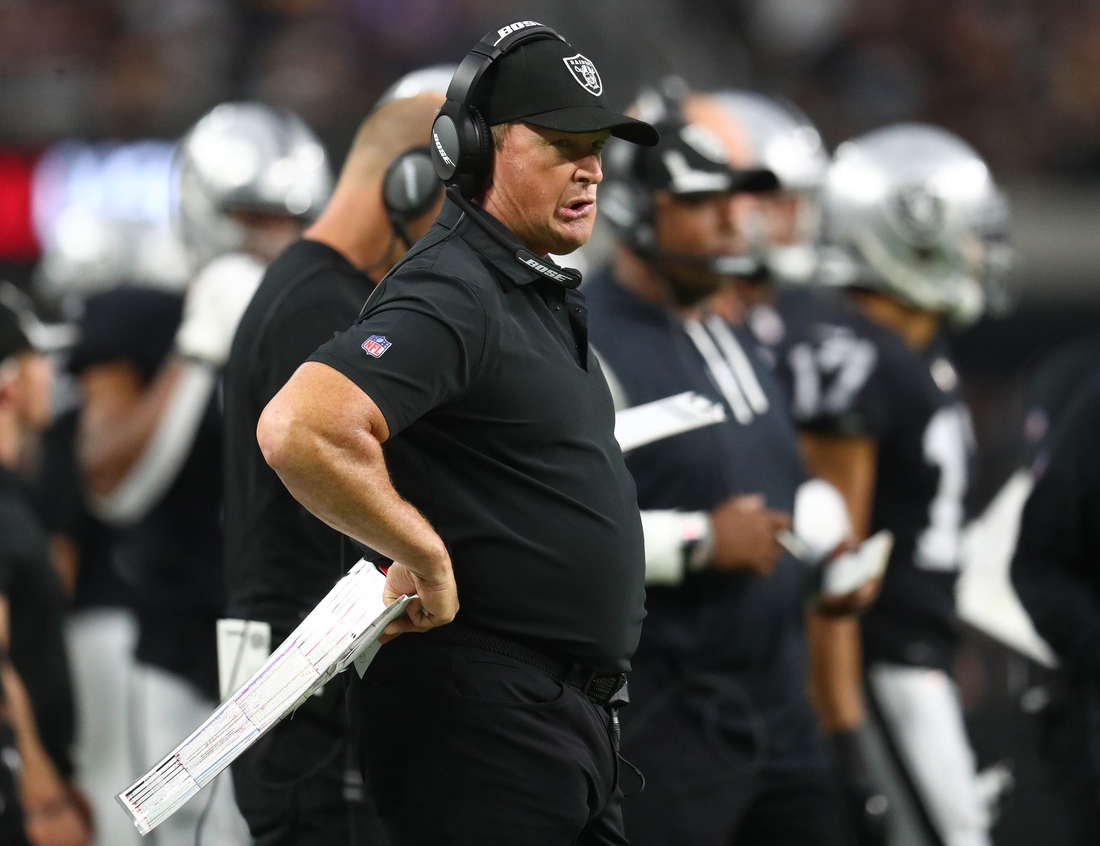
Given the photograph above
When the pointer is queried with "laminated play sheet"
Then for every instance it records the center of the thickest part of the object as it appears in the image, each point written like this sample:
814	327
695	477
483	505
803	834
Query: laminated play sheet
343	628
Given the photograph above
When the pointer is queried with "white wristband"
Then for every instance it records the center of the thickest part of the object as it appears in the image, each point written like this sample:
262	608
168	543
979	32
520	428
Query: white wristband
675	542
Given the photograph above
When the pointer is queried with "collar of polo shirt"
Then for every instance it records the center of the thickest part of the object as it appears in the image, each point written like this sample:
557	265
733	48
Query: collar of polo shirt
503	250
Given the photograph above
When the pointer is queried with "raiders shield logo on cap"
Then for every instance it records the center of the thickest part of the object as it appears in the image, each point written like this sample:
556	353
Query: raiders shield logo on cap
585	73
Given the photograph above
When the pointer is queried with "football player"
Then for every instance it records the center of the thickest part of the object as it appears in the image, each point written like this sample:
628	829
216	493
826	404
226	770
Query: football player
150	436
909	212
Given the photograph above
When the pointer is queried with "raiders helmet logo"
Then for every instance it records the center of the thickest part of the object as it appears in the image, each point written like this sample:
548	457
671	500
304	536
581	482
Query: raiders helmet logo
585	73
920	211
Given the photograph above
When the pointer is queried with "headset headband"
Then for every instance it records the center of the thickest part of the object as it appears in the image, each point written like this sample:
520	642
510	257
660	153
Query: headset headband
462	147
488	50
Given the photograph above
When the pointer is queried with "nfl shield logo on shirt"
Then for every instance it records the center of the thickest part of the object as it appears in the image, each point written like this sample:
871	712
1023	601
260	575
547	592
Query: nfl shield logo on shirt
375	345
585	73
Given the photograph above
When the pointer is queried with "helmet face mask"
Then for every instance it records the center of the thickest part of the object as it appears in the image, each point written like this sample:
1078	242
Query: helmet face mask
246	157
913	212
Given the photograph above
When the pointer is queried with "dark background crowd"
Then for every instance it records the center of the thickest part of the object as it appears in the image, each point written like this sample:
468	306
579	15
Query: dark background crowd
1017	78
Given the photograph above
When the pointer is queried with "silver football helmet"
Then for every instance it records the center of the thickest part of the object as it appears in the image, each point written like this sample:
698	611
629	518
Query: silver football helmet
246	157
91	253
784	141
913	211
430	80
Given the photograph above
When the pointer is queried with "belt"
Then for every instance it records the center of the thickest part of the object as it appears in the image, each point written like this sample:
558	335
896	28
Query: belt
600	688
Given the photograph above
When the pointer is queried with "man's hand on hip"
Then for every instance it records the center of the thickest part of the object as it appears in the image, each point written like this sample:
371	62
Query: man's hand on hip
436	601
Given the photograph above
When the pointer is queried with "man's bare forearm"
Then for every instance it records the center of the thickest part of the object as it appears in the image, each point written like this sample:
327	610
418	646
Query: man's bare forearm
330	459
347	486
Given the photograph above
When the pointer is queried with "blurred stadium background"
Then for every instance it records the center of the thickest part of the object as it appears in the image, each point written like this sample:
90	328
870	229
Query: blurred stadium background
1020	79
93	93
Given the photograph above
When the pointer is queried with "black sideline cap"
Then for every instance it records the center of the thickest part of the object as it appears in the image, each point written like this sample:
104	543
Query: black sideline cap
548	83
690	160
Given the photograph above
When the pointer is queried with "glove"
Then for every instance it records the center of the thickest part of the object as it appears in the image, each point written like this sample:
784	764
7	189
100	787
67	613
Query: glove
215	302
868	807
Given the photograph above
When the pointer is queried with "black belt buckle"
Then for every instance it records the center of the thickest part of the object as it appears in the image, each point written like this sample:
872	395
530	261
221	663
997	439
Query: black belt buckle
600	688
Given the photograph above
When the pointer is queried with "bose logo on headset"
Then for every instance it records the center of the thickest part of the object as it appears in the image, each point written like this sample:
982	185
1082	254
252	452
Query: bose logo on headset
516	27
440	150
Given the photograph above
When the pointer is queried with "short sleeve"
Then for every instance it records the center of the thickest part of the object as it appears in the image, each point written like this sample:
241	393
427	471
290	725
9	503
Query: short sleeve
837	382
419	345
127	324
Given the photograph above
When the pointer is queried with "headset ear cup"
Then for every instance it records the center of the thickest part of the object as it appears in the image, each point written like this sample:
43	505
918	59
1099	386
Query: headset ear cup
484	163
410	187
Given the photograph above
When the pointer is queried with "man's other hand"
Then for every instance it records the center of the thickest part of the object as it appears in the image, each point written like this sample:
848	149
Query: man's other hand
744	534
435	601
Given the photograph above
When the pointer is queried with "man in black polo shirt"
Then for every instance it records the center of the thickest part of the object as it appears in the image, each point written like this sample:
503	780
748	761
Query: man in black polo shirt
468	382
296	785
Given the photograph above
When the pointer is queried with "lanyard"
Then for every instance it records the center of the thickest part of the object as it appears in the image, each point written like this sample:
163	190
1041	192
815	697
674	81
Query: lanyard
729	367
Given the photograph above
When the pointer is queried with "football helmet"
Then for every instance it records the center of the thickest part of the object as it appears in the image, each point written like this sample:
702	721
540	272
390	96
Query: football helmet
246	157
89	254
784	141
913	211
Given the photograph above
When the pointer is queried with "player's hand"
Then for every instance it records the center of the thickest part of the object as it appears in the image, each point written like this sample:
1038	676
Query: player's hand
855	602
213	307
744	534
434	603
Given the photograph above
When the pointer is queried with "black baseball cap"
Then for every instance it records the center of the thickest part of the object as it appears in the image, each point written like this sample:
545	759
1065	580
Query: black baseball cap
690	160
548	83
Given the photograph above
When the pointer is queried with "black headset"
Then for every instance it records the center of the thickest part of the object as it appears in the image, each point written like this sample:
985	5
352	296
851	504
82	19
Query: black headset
462	146
628	202
410	188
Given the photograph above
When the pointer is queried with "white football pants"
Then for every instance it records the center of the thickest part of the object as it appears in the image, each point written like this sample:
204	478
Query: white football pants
923	715
100	643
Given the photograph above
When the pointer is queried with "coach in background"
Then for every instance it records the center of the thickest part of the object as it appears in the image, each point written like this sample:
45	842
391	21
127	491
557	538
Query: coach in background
469	383
296	786
1056	574
720	723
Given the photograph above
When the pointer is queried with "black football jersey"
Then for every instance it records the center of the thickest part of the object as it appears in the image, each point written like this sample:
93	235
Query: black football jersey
848	375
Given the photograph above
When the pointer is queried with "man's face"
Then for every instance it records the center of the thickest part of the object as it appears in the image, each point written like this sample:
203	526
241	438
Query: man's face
543	186
703	226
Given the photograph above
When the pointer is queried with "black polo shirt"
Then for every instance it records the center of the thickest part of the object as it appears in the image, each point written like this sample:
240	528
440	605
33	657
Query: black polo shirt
502	434
280	559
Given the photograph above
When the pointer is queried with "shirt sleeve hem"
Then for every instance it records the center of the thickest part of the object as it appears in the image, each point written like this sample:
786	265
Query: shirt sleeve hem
368	386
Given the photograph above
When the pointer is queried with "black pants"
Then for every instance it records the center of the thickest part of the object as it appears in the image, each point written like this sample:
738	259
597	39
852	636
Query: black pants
464	746
300	784
1070	740
704	792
